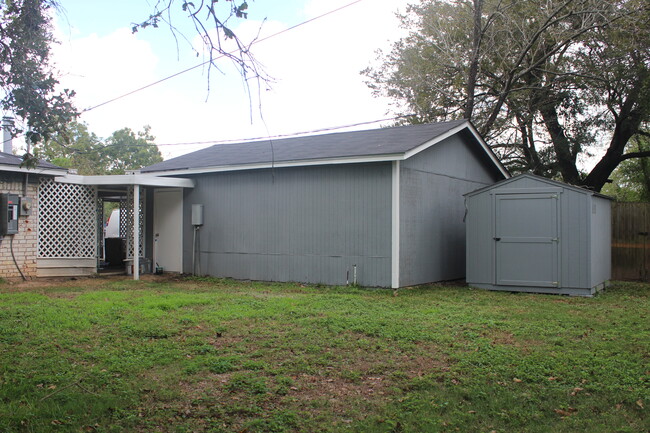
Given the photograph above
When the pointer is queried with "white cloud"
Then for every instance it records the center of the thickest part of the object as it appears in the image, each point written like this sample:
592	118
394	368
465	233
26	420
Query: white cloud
316	67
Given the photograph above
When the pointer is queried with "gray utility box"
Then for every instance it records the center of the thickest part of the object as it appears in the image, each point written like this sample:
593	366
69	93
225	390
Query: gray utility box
9	212
533	234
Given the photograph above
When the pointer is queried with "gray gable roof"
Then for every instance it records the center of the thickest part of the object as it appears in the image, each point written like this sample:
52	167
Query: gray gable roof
552	182
15	161
362	144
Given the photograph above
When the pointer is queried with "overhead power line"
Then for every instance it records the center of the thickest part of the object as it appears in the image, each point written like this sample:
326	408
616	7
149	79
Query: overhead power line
139	89
294	134
245	140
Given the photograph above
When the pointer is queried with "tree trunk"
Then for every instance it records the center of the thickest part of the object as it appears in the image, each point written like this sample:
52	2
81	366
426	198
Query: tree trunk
626	127
473	67
565	159
628	124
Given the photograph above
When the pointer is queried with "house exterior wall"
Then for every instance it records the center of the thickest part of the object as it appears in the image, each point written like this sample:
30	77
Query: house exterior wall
306	224
25	241
432	231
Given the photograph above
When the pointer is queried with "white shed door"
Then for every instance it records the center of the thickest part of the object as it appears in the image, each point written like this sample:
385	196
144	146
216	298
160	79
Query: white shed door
526	239
168	229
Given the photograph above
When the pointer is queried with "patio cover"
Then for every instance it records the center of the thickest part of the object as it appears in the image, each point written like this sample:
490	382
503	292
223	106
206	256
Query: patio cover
136	180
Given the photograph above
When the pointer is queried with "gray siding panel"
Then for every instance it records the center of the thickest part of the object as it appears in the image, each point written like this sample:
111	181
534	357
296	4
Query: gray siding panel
574	238
479	243
309	224
432	232
601	241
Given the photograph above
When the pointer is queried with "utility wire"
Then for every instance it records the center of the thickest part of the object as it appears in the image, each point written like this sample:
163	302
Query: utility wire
221	56
243	140
294	134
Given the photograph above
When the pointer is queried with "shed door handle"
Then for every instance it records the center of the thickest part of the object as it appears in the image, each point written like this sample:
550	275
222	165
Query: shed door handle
497	239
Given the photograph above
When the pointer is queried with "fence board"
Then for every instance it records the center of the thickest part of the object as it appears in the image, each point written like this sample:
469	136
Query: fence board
630	241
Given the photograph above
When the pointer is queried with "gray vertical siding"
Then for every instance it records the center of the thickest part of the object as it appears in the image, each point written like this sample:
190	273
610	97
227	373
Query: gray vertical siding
308	224
479	243
601	241
432	232
574	239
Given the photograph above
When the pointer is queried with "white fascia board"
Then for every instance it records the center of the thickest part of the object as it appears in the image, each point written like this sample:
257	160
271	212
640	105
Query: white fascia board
282	164
488	151
455	131
41	171
126	179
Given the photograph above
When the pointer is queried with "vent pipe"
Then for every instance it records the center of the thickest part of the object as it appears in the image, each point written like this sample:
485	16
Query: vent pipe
7	126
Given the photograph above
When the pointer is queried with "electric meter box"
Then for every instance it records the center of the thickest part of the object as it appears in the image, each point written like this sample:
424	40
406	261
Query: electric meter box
9	212
197	214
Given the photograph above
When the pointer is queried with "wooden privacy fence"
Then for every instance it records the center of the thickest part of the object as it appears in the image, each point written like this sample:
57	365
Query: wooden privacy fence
630	241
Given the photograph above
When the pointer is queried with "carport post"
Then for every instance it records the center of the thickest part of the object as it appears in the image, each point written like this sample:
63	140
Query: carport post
136	232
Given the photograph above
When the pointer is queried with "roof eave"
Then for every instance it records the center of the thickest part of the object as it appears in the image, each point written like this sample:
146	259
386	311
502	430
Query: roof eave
37	170
126	179
282	164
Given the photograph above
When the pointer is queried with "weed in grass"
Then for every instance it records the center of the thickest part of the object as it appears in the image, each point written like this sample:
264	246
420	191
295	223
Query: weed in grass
221	365
248	383
278	422
254	365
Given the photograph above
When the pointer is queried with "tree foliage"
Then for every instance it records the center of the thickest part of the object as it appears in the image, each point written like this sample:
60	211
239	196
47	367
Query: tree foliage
547	82
28	82
82	150
631	179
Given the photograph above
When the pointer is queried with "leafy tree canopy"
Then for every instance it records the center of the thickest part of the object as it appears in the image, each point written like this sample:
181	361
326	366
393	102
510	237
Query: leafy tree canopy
26	77
547	82
80	149
631	179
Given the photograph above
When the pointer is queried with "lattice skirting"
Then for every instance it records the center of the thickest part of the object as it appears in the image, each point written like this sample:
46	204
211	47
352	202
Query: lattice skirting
67	221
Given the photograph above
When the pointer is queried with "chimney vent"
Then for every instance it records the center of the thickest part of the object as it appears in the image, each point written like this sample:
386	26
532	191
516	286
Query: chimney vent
7	126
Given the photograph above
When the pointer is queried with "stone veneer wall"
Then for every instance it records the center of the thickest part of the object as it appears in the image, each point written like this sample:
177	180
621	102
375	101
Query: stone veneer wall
25	242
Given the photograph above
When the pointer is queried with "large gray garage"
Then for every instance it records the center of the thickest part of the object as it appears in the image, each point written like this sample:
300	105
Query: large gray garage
532	234
381	207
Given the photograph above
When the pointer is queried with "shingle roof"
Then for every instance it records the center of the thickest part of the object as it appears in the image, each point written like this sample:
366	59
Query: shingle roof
13	160
374	142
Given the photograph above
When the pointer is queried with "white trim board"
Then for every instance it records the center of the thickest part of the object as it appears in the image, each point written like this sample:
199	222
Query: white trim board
281	164
395	223
36	171
127	179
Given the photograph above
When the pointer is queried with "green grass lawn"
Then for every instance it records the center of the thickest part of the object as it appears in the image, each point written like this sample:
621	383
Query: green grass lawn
195	355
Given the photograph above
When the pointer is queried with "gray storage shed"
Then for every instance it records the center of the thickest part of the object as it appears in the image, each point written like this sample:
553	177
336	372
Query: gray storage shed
384	205
533	234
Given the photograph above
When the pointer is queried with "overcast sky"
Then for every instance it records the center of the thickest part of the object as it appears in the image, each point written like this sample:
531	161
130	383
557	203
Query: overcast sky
316	69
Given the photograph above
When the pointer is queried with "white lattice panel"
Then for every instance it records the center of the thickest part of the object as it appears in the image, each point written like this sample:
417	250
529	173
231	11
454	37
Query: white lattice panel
67	219
126	222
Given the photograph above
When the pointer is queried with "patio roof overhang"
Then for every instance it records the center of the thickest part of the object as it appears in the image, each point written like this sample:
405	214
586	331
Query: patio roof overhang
136	180
127	180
